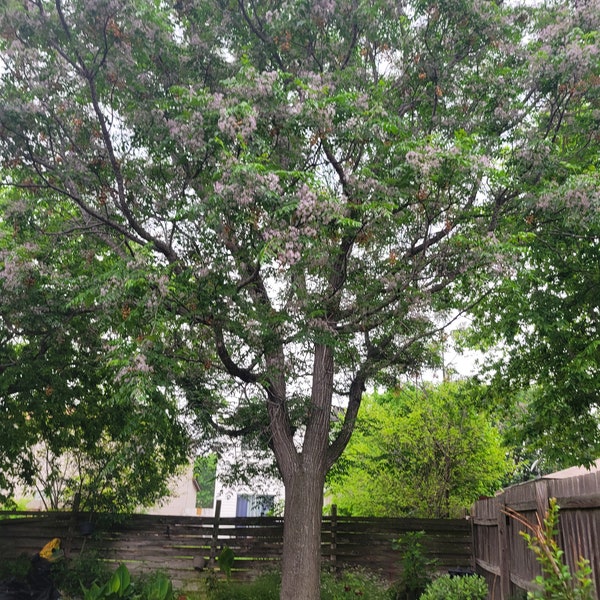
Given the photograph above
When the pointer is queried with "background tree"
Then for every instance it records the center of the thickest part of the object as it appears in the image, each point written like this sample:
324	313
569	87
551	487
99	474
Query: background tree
542	320
302	187
205	473
547	329
424	452
88	428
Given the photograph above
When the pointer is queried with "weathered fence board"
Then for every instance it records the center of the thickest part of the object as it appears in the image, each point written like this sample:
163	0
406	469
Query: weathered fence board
175	544
500	553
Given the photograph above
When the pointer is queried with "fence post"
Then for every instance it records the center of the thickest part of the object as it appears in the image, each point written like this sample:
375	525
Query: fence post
333	545
541	498
504	550
212	560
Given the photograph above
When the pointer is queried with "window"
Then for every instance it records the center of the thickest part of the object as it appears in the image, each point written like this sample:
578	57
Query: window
254	505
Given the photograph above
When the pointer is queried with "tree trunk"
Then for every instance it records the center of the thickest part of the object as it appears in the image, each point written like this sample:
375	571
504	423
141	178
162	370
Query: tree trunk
301	563
304	478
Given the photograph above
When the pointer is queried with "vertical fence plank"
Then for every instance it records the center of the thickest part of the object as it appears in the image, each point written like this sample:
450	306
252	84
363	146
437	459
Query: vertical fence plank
541	498
215	536
504	553
333	544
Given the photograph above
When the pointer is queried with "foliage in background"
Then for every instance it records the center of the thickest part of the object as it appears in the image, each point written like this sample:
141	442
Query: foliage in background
205	474
528	448
542	318
471	587
82	427
556	582
427	452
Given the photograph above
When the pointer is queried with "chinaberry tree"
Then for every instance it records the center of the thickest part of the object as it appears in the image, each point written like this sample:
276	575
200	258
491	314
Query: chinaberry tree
305	186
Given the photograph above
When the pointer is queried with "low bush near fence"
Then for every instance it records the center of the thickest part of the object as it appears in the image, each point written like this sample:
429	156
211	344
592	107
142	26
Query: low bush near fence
350	584
471	587
81	572
121	586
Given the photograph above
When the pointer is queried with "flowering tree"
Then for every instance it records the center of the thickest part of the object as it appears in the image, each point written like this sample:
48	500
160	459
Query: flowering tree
283	198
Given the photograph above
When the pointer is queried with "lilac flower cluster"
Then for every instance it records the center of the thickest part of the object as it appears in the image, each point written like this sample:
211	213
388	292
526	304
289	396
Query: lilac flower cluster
322	9
290	236
565	48
15	268
424	160
137	366
246	187
578	200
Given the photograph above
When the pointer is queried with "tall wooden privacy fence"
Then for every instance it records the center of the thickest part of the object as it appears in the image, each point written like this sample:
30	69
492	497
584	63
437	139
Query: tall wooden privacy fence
186	547
501	554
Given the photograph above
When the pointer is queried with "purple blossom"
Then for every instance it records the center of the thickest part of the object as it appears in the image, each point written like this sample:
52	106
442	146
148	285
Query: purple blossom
322	9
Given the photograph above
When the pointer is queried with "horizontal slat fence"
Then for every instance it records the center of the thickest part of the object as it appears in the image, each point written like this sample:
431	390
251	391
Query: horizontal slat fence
179	546
500	553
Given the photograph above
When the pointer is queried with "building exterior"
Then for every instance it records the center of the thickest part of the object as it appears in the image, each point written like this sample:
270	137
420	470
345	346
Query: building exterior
259	497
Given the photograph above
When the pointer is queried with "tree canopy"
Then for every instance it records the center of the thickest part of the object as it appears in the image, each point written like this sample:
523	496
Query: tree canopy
75	418
543	315
278	201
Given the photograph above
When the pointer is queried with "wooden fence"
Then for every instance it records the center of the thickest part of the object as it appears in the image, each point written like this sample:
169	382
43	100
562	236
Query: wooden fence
186	547
500	553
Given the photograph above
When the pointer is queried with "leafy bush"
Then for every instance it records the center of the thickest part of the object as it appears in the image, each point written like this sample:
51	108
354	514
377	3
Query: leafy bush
353	584
416	567
120	586
226	560
70	576
472	587
16	568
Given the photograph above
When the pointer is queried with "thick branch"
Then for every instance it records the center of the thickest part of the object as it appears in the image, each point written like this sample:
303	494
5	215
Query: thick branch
245	375
357	387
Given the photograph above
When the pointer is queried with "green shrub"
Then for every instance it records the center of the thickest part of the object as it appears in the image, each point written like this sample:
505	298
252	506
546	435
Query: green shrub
15	568
120	586
70	576
472	587
226	560
356	583
416	567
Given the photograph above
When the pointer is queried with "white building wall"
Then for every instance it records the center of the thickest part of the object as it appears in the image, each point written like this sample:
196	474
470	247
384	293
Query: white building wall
182	502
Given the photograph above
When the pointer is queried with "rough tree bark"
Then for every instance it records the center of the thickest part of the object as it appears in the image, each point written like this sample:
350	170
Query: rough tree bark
304	477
